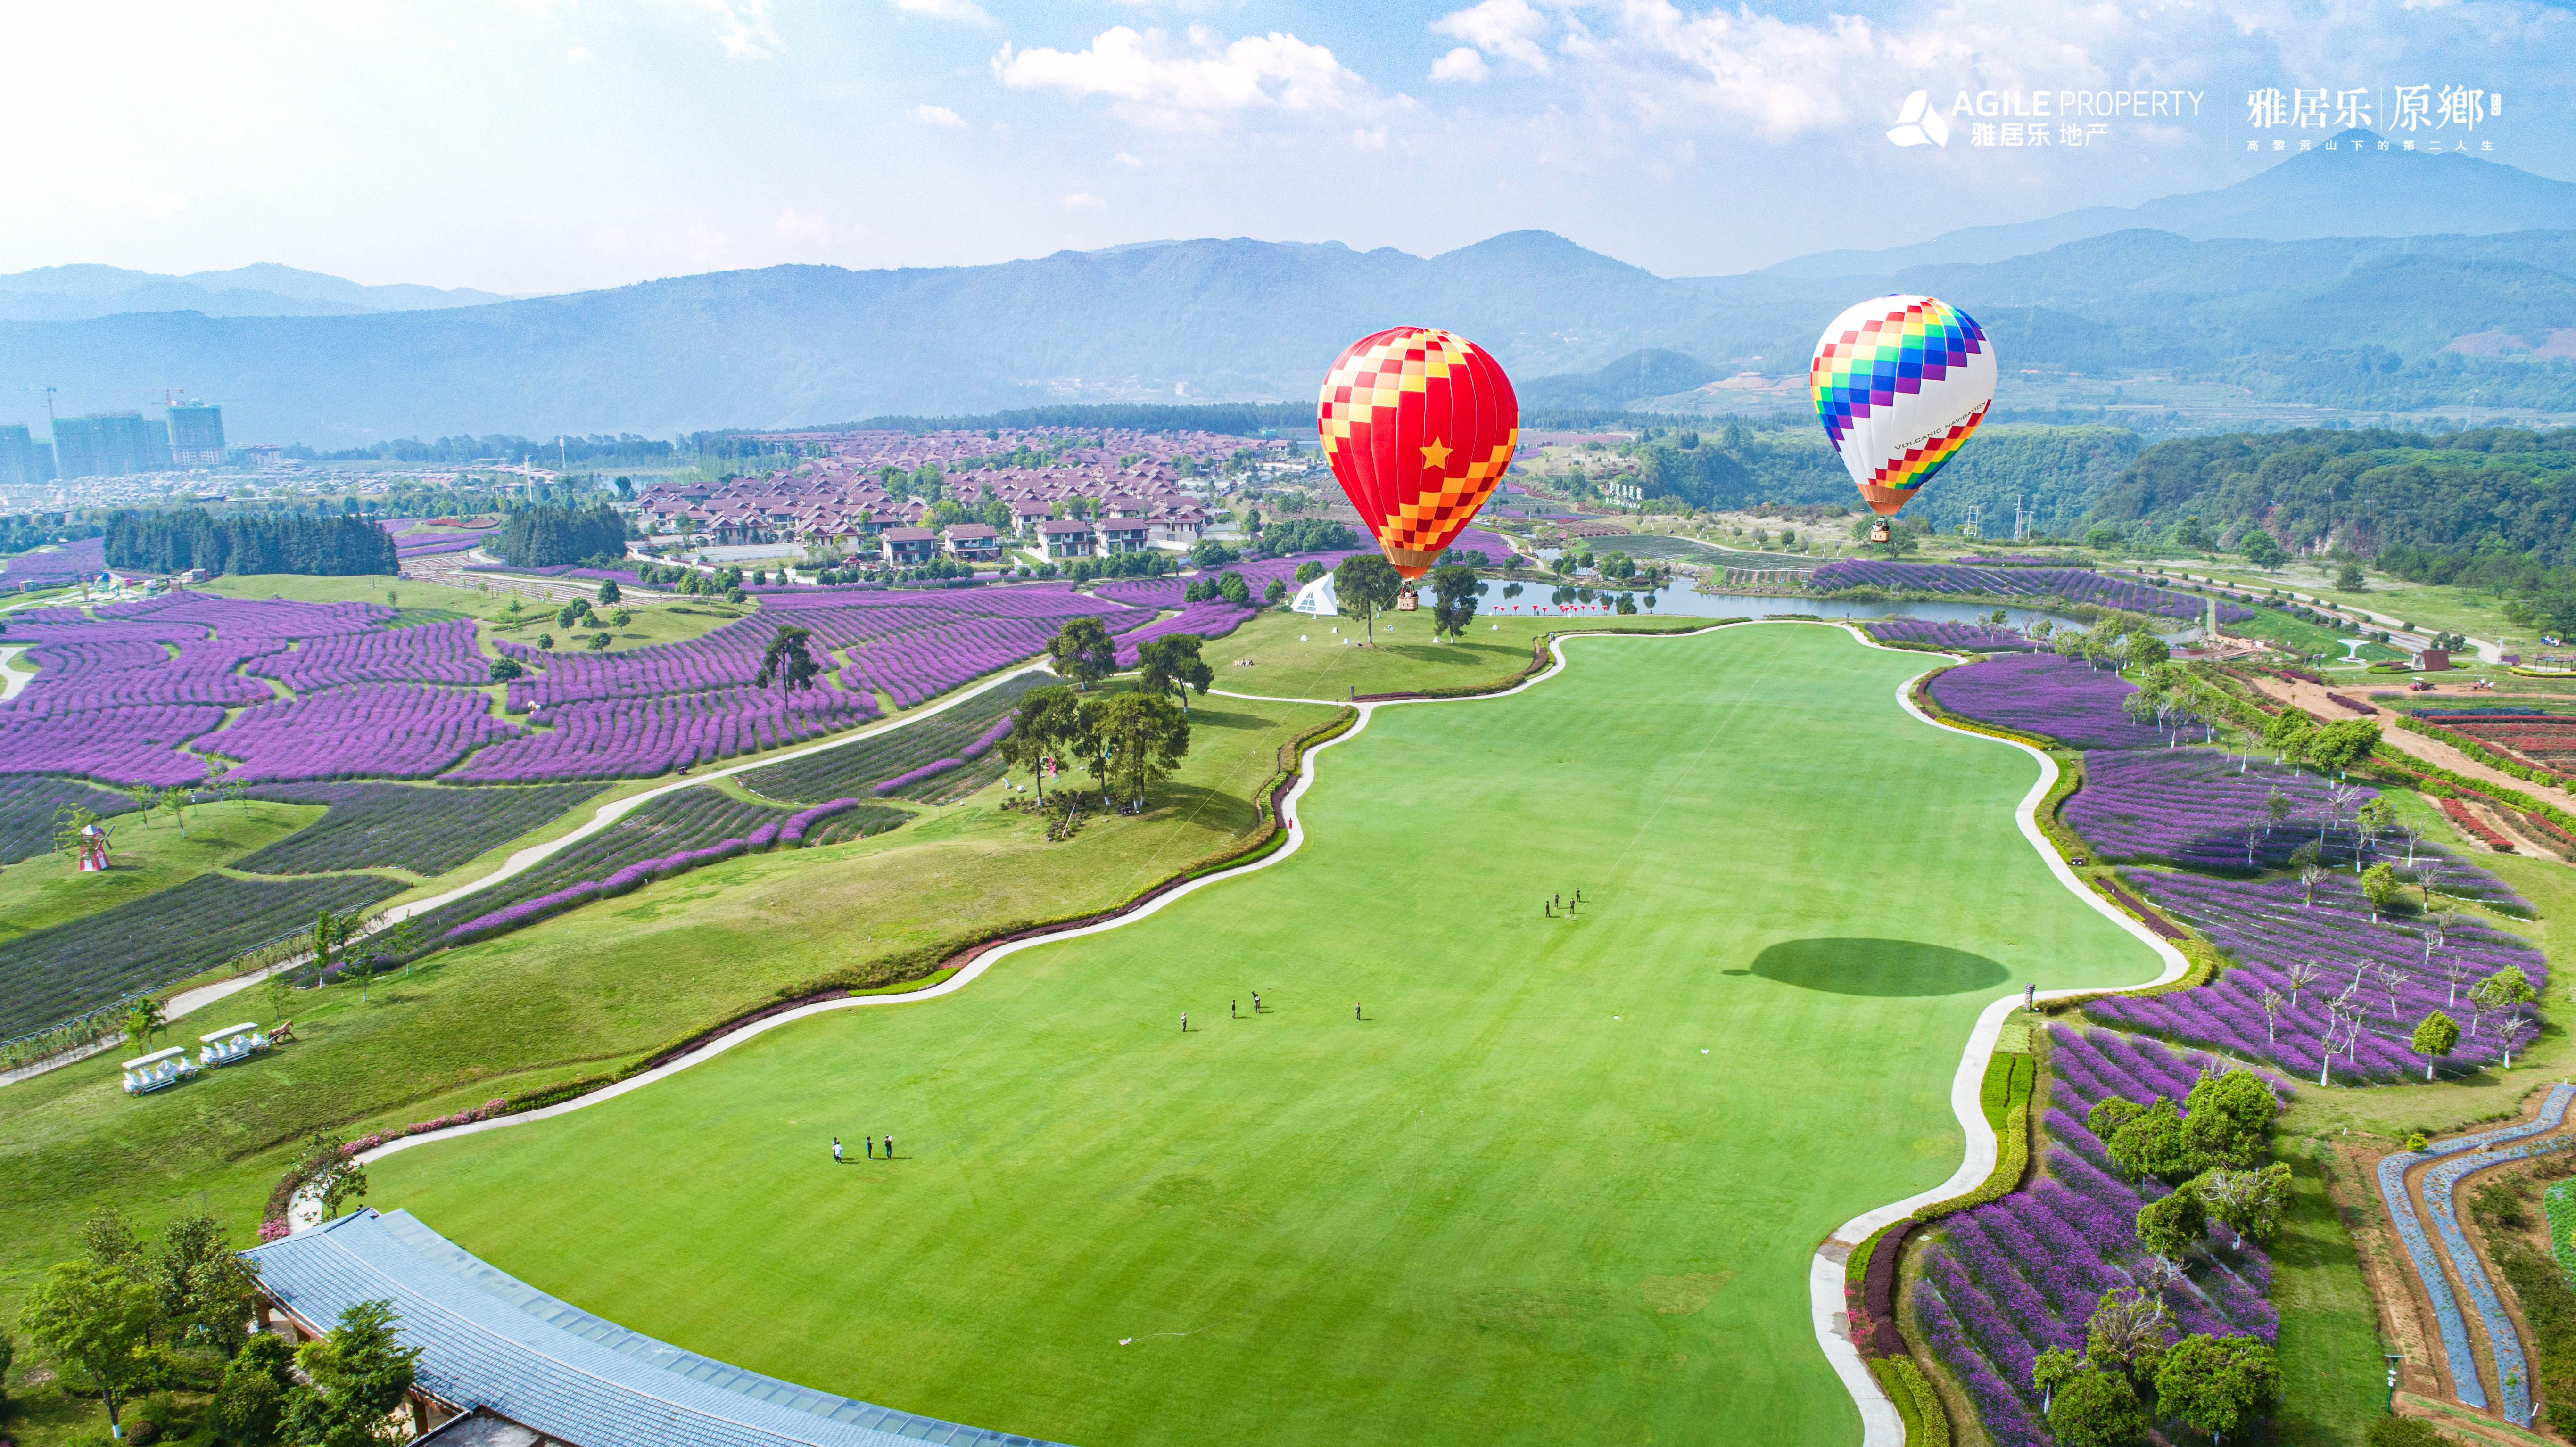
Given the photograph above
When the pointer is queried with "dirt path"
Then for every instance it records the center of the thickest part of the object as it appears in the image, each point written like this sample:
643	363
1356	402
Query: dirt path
2312	697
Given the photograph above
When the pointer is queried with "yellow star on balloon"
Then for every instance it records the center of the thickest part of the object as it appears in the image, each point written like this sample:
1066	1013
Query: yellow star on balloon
1436	456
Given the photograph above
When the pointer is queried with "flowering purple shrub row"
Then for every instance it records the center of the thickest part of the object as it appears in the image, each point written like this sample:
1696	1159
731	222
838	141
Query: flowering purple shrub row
428	653
2373	982
428	829
377	730
2022	1275
628	877
914	776
1208	618
55	566
1969	637
612	738
2042	693
2075	585
2209	810
965	730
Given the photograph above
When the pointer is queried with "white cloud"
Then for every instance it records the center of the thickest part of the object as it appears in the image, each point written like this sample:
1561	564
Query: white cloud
743	29
938	116
1369	138
578	55
965	10
1164	84
1508	28
1462	63
1128	160
1084	201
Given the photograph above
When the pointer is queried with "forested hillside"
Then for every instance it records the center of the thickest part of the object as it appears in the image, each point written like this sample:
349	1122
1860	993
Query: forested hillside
2500	489
2058	472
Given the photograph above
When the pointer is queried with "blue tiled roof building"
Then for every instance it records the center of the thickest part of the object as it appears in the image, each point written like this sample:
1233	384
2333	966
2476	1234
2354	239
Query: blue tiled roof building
491	1341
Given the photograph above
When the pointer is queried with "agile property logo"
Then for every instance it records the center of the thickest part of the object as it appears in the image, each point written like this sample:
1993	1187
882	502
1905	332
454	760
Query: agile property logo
1918	124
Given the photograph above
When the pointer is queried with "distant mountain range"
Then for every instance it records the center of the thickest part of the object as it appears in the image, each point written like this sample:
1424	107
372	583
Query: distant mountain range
73	293
2346	187
2356	323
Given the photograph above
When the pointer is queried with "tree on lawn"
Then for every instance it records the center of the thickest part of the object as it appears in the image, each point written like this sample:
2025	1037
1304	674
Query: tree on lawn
1370	584
330	931
1039	729
608	592
1083	652
2372	820
206	1290
1231	587
175	800
2434	1039
789	661
2171	1225
2146	650
95	1320
357	1375
2339	746
1138	739
1453	586
2249	1203
2215	1384
1171	665
2288	733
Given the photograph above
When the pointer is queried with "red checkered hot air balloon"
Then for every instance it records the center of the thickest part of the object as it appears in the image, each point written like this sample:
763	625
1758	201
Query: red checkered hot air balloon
1419	426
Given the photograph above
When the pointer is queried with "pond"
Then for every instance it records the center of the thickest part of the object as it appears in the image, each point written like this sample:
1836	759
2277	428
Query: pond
1678	601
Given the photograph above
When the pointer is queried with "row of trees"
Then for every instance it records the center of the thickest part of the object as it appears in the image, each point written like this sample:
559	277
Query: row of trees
174	540
545	537
128	1317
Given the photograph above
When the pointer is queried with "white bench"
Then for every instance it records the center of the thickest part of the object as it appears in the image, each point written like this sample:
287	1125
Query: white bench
233	1042
161	1067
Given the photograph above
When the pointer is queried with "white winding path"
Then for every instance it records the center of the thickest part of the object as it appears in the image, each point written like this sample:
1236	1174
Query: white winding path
1880	1424
12	682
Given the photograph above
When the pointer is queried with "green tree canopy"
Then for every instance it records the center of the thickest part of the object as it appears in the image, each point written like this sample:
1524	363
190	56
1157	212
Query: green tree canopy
1040	728
1453	586
1083	652
1369	584
94	1319
2216	1384
2097	1409
787	660
1139	739
358	1373
1171	665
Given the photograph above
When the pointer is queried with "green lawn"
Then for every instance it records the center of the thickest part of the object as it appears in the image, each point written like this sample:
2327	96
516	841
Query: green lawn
144	858
1104	1230
651	619
584	992
1294	656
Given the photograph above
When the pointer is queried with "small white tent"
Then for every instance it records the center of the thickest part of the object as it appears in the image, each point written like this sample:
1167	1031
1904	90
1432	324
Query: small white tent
1317	599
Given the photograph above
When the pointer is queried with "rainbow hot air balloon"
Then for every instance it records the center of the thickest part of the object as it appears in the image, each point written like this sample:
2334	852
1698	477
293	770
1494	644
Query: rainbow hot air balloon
1419	426
1900	383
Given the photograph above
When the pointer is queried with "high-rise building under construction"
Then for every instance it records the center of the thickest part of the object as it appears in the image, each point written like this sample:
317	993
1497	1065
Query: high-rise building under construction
110	444
23	460
196	434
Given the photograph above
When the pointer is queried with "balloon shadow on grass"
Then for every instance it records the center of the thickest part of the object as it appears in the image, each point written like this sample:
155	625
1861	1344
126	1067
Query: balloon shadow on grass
1878	967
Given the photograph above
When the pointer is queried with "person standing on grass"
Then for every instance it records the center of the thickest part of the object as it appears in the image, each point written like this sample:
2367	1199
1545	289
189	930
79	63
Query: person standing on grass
1355	1011
1256	1002
1185	1022
869	1144
1230	1011
889	1147
836	1150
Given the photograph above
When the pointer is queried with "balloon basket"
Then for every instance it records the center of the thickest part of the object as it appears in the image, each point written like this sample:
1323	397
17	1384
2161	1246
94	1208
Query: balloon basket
1878	532
1407	602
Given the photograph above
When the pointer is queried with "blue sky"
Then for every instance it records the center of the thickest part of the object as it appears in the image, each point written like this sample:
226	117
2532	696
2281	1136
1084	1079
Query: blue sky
535	145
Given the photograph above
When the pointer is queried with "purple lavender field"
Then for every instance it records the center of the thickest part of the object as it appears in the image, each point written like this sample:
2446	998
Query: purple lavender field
2016	1277
368	730
2205	809
2371	983
54	567
2075	585
2042	693
1966	637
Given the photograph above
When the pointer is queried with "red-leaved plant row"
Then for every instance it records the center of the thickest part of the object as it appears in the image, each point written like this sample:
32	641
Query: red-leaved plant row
2478	828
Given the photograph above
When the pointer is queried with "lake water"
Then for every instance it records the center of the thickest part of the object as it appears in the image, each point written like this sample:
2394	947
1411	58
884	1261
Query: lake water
1680	602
